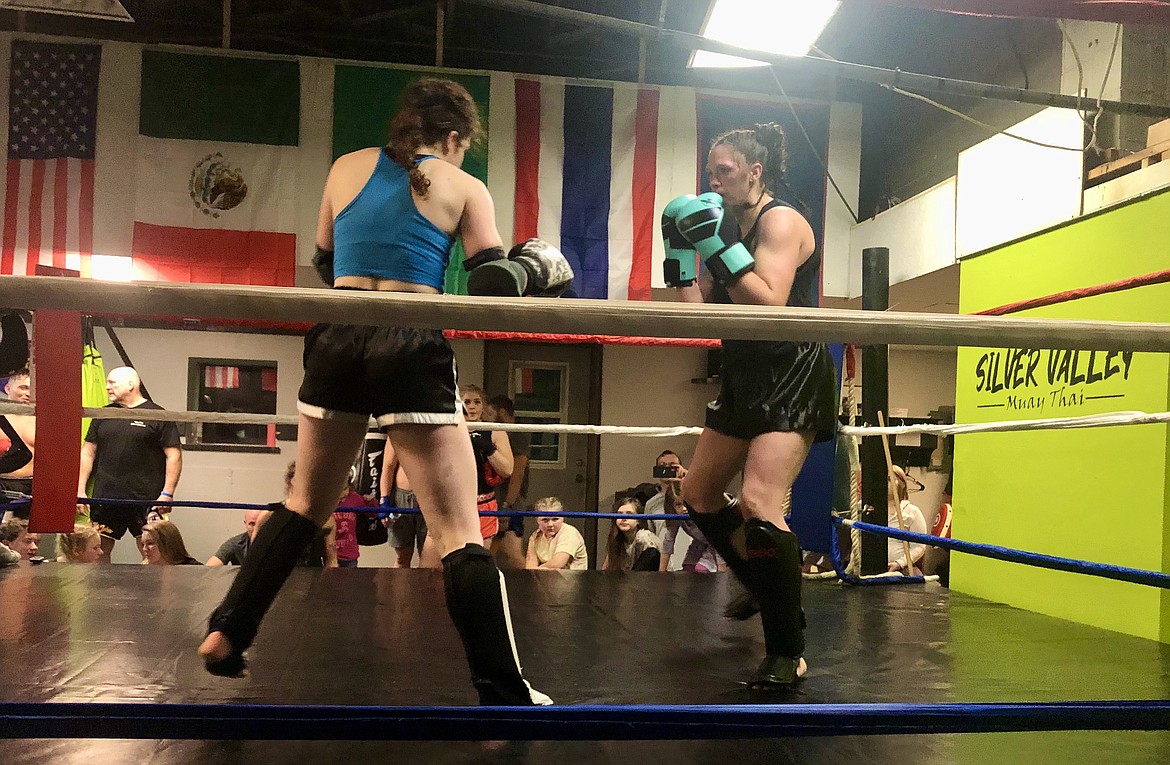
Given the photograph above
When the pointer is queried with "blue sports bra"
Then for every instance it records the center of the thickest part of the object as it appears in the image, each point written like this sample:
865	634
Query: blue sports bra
382	234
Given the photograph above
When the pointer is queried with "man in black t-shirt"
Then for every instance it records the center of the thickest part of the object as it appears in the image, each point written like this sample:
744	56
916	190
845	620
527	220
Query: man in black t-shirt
129	459
233	550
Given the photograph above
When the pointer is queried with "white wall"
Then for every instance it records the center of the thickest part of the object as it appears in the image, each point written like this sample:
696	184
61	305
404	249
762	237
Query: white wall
648	386
920	233
844	162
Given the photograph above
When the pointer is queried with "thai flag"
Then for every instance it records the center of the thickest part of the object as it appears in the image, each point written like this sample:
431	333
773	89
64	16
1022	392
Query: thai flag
591	175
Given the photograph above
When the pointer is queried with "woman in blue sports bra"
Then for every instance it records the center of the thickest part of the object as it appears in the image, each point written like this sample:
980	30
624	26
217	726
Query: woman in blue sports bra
389	217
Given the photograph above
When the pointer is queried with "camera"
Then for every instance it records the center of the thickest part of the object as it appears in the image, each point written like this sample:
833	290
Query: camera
666	471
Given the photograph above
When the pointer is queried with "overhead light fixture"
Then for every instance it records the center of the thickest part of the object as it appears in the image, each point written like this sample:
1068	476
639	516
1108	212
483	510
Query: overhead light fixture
110	10
785	27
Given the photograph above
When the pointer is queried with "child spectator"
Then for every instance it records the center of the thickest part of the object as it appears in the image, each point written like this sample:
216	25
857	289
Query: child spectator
83	545
631	547
556	544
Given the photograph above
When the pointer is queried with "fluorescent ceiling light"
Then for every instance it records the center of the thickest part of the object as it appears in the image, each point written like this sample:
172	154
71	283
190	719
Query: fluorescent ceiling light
110	10
786	27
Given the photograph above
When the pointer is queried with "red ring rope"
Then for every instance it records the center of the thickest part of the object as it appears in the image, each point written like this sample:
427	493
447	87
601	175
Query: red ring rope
1158	277
548	337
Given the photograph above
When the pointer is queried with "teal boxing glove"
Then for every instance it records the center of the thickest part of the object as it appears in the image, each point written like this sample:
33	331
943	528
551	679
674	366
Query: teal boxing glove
699	221
678	269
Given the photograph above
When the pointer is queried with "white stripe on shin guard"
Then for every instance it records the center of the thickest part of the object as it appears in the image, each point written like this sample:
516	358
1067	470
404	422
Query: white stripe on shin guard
536	696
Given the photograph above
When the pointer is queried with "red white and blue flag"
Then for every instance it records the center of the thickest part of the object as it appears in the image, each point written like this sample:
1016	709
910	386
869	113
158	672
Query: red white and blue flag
52	126
590	175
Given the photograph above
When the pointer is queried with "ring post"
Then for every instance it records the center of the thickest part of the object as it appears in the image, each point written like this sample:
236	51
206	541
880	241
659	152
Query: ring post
875	397
57	457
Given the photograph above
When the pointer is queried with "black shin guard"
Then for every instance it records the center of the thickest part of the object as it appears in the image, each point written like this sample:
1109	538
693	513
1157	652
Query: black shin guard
478	604
773	556
279	544
718	527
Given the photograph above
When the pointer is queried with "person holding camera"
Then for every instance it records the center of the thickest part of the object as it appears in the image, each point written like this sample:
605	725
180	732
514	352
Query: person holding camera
668	471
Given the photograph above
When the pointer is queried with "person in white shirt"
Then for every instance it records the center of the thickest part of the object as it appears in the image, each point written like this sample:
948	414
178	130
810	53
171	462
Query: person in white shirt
556	544
899	501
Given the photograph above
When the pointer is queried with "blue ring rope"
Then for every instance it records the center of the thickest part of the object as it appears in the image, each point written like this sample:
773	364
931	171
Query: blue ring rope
1120	573
383	511
563	723
872	581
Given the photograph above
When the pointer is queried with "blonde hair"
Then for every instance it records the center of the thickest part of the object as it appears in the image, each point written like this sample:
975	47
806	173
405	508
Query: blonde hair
901	493
70	546
548	505
169	541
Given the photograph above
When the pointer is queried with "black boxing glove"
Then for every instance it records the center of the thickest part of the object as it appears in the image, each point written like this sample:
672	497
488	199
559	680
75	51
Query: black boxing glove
533	268
323	262
482	444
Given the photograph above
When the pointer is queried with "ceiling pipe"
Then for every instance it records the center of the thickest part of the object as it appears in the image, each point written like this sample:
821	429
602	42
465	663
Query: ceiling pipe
891	78
440	21
226	40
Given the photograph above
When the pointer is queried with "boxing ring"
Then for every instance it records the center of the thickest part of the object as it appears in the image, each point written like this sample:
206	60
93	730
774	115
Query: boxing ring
101	659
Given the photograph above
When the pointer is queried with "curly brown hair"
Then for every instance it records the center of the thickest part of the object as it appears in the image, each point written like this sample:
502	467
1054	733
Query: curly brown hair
431	109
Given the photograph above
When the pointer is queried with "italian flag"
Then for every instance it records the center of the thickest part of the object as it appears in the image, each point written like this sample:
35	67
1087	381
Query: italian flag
365	98
217	170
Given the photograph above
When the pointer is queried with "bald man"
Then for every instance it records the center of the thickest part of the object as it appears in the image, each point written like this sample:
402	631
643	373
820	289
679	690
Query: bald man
129	459
232	552
17	441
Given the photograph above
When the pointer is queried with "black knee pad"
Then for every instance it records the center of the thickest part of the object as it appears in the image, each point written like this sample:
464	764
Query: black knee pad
773	558
279	544
478	604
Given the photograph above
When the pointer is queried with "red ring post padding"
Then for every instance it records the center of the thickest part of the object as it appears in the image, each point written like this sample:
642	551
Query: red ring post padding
57	456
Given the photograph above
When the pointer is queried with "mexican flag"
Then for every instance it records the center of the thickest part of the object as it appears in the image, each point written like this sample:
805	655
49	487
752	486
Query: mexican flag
217	170
365	98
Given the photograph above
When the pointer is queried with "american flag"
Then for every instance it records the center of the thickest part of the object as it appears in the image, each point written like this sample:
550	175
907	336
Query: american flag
222	378
52	123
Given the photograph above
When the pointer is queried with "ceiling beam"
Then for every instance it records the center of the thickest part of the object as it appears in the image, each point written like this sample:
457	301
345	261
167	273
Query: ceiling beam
889	78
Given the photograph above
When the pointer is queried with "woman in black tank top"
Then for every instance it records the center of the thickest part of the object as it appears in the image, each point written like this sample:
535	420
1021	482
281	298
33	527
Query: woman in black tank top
776	398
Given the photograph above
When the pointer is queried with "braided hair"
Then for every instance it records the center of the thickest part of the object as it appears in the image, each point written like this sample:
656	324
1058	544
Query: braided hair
431	108
767	144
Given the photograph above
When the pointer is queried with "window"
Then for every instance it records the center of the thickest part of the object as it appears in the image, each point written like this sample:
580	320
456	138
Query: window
231	385
539	391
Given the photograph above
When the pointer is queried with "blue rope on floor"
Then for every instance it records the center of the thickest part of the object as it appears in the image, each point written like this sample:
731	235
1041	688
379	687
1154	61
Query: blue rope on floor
563	723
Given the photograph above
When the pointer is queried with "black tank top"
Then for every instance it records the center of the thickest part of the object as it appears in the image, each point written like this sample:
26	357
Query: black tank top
805	292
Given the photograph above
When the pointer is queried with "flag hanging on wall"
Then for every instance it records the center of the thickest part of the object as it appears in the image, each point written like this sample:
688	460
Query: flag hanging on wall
221	378
585	180
52	122
217	198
